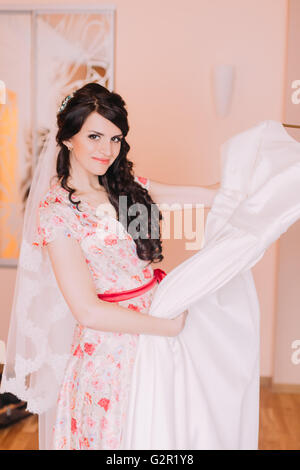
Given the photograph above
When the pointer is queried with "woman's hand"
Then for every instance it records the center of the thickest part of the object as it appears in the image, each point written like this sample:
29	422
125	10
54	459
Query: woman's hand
178	323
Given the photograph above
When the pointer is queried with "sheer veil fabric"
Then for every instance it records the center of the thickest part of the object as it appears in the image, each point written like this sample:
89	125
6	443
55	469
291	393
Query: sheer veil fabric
40	332
199	390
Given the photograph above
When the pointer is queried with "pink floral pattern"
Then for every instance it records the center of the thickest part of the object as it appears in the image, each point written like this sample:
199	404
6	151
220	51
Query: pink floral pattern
91	407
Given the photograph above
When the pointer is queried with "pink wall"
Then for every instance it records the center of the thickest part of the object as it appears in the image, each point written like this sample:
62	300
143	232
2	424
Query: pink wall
165	51
287	319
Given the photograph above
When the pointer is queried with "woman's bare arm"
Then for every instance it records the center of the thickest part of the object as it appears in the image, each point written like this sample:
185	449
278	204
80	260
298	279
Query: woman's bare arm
77	286
162	193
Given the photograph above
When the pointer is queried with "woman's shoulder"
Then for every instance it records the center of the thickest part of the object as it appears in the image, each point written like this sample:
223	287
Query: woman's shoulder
55	215
56	202
143	181
56	196
49	196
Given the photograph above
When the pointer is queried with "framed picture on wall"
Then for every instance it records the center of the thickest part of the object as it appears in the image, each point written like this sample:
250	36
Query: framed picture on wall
45	54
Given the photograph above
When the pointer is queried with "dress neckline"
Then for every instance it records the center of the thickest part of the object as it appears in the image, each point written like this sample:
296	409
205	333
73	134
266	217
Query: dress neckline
87	204
115	223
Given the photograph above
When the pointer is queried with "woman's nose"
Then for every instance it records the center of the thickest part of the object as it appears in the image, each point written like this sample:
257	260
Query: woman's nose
105	147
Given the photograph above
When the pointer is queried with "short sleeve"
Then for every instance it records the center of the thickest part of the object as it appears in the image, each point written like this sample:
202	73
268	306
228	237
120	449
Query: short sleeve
53	220
144	182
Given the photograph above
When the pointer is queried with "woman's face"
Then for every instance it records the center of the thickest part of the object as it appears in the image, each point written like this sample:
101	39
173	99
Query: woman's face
96	145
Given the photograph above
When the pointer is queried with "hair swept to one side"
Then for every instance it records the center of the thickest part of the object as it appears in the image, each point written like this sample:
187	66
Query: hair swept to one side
119	177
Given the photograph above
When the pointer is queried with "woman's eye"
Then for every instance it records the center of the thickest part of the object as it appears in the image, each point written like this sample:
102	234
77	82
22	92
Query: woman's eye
114	139
117	139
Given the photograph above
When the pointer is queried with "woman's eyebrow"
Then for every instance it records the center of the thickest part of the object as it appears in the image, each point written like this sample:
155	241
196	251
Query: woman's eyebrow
99	133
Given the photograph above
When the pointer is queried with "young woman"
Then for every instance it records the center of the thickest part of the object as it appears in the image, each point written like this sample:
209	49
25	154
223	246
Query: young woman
95	258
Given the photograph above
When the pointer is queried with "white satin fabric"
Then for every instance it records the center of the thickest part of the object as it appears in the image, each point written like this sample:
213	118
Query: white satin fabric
200	390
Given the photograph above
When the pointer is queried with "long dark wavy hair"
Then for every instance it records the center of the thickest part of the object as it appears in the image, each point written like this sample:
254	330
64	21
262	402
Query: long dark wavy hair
119	177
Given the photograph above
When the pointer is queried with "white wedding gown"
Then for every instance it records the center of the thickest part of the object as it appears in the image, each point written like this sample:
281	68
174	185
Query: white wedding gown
200	390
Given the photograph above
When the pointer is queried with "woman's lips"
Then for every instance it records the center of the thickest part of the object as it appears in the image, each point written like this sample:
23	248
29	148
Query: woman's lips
102	160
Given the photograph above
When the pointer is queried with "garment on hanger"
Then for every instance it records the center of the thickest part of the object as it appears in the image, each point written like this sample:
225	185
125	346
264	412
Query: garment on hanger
200	390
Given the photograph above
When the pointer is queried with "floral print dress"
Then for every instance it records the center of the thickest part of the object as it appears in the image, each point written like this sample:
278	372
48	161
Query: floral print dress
91	407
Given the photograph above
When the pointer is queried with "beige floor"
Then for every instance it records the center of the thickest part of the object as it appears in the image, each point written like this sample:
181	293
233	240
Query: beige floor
279	425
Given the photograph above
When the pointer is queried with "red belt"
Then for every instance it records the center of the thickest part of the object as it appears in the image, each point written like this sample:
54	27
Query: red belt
158	275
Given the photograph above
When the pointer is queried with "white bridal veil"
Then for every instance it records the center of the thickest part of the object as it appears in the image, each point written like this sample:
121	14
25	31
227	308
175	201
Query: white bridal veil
41	325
